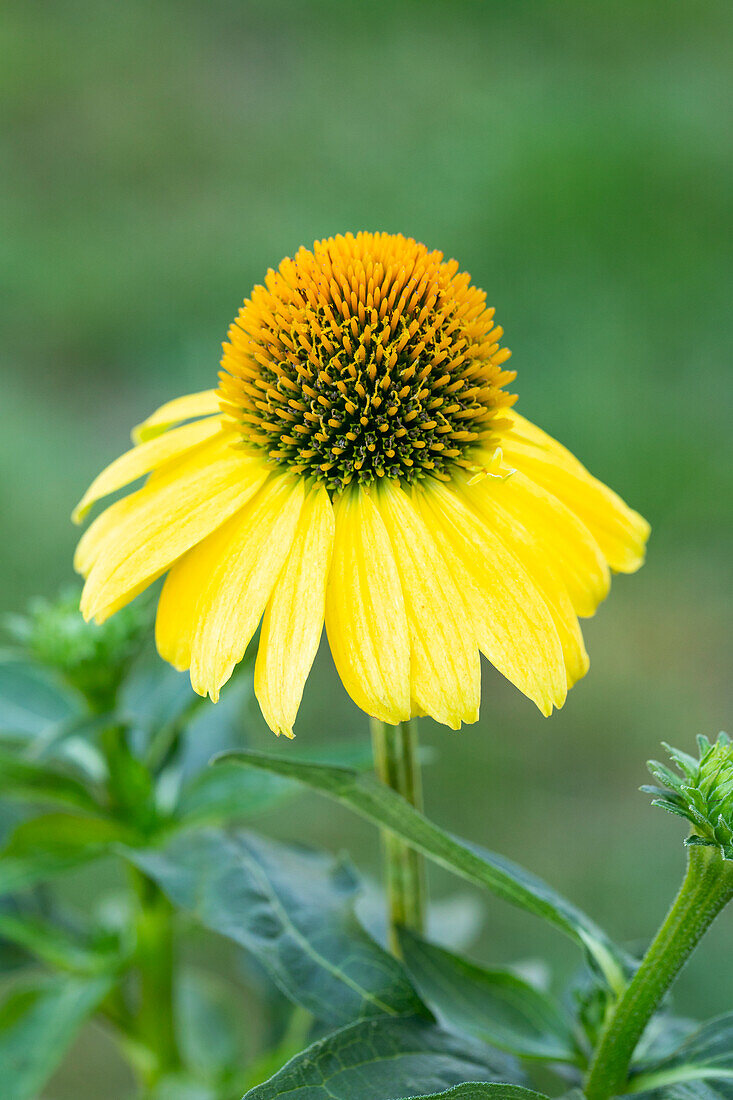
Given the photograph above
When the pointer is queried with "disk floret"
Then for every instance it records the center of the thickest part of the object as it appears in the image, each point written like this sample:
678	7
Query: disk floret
366	357
703	793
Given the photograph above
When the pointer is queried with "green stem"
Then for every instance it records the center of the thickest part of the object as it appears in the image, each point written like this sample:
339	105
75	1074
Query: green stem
706	889
396	763
148	1032
154	959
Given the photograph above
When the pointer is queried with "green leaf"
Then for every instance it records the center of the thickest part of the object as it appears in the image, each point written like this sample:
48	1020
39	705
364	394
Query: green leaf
52	844
229	792
705	1055
30	698
37	1025
710	1045
38	782
181	1086
493	1005
22	872
57	946
218	795
692	1090
293	909
380	1060
208	1017
65	832
383	806
489	1091
73	740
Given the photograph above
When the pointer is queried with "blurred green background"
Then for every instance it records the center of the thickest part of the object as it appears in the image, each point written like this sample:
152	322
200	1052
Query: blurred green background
576	158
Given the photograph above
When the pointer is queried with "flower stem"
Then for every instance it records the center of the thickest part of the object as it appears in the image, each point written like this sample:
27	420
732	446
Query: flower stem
396	763
706	889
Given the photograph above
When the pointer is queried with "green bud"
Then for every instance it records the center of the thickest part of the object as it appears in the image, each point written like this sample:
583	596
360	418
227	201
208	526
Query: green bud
93	659
702	792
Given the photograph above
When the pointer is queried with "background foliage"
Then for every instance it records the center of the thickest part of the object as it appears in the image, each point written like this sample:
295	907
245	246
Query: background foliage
575	157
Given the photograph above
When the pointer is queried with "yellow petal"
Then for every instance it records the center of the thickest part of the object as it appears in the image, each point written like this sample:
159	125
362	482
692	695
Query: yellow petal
153	527
445	670
293	620
488	498
567	542
240	567
512	623
144	458
524	431
175	412
620	532
365	612
88	546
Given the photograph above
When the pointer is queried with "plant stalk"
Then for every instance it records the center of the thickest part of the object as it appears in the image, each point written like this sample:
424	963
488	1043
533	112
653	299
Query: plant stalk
397	765
154	958
706	889
148	1032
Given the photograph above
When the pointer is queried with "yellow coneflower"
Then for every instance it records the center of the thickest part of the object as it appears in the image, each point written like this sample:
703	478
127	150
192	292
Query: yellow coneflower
361	462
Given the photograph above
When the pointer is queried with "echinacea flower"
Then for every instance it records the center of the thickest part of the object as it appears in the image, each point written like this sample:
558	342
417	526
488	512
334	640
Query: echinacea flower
361	462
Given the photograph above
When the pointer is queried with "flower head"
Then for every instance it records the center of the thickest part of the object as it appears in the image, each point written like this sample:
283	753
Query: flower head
361	462
702	793
368	357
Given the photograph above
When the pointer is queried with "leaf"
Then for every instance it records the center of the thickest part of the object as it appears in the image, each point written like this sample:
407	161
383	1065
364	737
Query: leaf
65	832
218	795
493	1005
37	782
52	844
710	1045
37	1025
705	1055
30	698
155	694
293	909
228	792
73	740
692	1090
383	1059
22	872
181	1086
385	807
208	1018
489	1091
57	946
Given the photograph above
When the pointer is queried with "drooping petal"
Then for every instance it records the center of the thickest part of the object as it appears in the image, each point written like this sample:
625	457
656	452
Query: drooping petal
513	625
522	430
365	611
445	670
142	459
525	543
293	620
565	539
184	594
175	412
101	528
620	532
567	542
163	520
240	568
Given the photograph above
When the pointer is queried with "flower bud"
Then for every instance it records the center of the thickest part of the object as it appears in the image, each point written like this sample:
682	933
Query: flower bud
92	659
703	793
